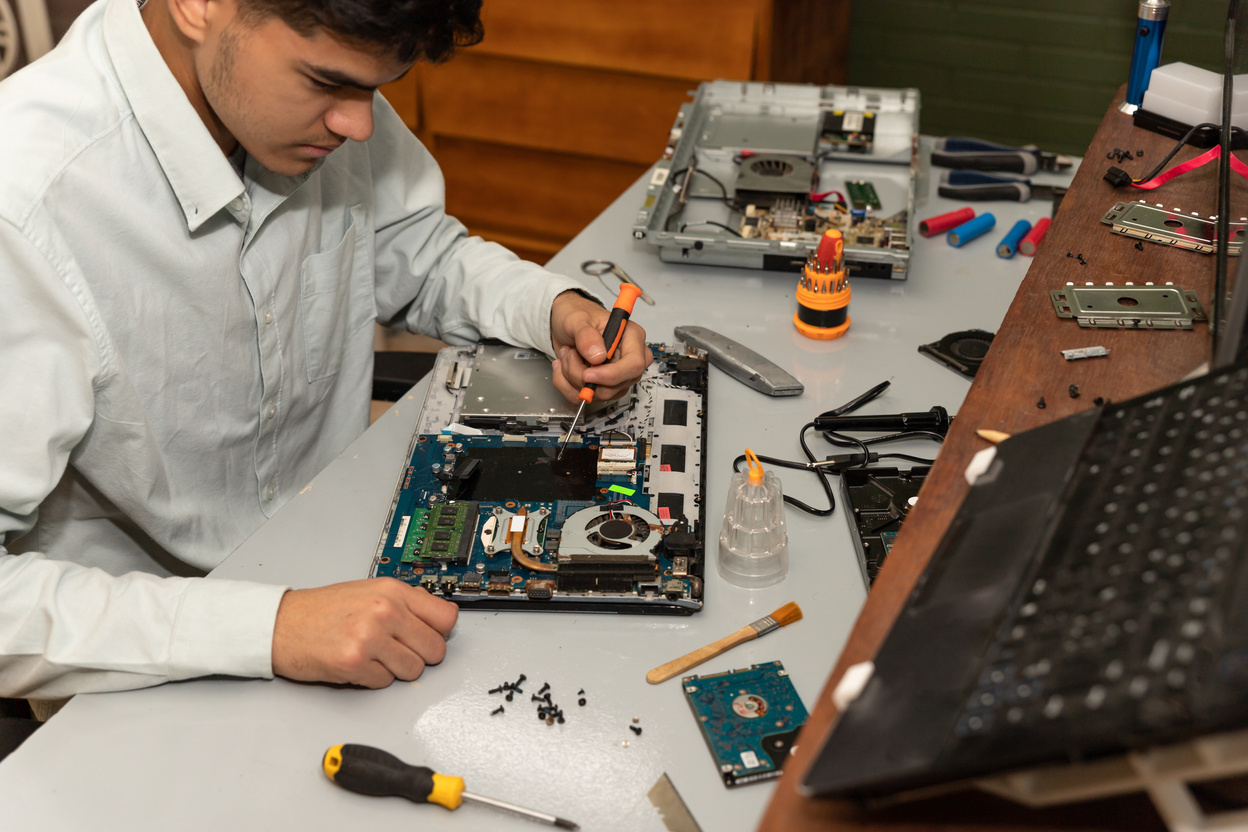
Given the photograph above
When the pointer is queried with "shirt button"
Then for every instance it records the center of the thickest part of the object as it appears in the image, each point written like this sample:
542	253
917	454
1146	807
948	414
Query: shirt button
271	412
236	204
269	492
268	316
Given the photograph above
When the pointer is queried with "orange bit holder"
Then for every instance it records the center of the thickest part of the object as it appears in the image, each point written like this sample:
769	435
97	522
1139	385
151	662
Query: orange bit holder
823	291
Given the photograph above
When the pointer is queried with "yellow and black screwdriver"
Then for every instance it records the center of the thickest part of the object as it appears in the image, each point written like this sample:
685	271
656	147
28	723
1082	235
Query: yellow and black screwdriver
611	336
371	771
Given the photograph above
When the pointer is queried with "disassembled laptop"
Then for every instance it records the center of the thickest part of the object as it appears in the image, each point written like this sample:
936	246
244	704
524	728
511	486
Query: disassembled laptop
750	169
485	515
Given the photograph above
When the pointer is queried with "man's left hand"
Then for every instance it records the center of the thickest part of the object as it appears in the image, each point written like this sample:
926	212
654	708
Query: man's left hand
576	325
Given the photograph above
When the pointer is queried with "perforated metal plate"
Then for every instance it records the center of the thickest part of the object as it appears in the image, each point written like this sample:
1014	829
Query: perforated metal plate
1171	227
1129	307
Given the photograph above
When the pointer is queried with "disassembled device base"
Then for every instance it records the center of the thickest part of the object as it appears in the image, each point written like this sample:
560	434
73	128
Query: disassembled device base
486	515
750	170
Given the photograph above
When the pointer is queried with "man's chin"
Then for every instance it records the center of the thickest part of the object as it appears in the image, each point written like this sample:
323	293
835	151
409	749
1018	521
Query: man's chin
287	164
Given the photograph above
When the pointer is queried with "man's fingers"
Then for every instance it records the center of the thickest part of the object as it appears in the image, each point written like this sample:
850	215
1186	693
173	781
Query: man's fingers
438	613
571	373
590	345
561	382
398	661
631	360
362	632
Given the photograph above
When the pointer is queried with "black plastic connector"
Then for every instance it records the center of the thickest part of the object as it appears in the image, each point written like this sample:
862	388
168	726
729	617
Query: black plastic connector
842	461
1117	177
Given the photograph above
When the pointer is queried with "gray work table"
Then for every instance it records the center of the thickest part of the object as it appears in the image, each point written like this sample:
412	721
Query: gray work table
227	753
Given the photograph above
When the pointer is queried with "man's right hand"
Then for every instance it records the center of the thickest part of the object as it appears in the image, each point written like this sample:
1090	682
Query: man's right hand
361	633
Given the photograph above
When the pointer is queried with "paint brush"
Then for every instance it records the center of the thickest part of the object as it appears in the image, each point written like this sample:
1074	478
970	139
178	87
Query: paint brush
787	614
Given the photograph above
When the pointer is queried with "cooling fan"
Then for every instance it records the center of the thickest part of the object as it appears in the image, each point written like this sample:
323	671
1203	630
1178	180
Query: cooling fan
763	178
611	532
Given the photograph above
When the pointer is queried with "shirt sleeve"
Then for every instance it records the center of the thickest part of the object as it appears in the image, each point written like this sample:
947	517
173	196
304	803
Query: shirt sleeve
66	628
433	277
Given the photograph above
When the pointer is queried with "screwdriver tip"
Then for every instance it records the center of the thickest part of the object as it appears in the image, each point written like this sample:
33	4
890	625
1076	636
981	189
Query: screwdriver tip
565	824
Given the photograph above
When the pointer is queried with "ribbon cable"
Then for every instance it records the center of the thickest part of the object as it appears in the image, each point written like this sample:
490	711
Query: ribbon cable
1191	164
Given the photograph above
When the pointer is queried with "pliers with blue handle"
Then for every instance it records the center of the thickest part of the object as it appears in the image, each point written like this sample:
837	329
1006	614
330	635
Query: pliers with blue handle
977	154
974	185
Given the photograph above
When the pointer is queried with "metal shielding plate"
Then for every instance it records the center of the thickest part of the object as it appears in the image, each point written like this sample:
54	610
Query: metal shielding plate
509	381
1129	307
1171	227
796	133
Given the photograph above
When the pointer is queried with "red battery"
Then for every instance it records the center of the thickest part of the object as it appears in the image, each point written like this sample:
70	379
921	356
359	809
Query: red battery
938	225
1028	244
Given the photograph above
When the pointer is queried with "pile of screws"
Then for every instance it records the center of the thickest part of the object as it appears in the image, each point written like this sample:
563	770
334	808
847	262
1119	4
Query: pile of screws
1120	154
510	689
546	709
1078	257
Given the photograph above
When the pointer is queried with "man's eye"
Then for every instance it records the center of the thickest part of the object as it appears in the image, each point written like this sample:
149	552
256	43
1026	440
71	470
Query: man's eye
321	85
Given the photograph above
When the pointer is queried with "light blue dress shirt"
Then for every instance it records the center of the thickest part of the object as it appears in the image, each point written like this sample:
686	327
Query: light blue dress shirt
181	351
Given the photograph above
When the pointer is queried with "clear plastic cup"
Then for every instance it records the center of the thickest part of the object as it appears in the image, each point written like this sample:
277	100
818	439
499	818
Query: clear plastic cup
753	542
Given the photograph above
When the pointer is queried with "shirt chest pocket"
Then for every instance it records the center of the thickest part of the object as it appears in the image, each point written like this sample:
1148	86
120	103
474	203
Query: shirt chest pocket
336	298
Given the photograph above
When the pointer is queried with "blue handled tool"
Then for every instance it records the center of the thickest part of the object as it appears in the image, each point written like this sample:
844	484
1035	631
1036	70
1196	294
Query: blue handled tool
976	154
1150	31
974	185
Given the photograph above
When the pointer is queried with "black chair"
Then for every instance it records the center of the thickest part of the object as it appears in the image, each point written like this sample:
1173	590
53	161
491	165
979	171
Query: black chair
16	724
395	372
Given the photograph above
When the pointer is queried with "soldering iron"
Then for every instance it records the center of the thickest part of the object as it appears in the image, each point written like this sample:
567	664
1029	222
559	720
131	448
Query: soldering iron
935	420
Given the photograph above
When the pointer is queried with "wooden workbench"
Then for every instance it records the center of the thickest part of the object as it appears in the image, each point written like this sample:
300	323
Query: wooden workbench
1024	365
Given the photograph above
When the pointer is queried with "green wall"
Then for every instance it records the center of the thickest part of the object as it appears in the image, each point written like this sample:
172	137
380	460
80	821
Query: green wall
1009	71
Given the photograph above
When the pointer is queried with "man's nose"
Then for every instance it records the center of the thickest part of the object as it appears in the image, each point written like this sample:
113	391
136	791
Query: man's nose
352	119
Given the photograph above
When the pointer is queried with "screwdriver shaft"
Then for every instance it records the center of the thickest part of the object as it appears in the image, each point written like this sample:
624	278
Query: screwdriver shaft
532	814
572	427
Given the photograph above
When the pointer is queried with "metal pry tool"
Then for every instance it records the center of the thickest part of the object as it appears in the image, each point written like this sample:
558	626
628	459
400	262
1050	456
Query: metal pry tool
611	336
741	362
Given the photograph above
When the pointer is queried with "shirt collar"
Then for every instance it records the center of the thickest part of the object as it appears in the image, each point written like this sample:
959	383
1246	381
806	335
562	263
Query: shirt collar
199	173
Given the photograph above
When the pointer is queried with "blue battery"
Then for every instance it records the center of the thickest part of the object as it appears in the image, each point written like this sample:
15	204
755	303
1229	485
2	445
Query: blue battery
1009	244
971	229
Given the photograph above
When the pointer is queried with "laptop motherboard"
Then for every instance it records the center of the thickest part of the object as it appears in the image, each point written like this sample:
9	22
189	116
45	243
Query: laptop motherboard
488	513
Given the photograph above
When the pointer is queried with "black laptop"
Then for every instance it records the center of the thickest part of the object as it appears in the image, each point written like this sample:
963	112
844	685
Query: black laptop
1088	599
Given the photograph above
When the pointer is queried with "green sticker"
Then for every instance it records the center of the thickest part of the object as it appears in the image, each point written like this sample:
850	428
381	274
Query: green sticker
619	489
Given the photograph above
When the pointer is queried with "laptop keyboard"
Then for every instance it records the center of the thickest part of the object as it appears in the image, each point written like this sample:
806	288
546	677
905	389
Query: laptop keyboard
1118	626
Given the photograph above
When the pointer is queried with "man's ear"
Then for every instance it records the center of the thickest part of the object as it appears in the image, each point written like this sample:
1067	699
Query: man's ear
195	19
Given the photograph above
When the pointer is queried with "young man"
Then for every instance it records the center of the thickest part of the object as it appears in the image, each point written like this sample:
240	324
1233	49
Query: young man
204	208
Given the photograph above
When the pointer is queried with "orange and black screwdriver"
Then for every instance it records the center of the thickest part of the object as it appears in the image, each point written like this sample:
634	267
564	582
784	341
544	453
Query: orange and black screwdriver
611	336
371	771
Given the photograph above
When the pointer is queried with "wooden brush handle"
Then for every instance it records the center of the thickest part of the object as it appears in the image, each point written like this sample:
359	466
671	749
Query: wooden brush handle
677	666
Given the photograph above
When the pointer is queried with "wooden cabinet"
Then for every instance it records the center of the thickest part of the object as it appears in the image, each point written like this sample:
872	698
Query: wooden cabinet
566	102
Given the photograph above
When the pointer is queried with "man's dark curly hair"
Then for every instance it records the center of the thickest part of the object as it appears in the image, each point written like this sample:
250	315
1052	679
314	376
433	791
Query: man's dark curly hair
408	29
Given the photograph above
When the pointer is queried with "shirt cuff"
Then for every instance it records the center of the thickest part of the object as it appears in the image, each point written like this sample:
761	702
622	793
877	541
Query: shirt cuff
225	627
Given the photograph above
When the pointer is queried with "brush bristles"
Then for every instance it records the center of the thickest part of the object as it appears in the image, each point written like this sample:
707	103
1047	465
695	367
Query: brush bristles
787	614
